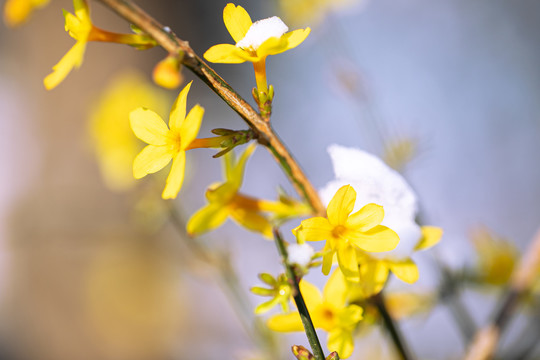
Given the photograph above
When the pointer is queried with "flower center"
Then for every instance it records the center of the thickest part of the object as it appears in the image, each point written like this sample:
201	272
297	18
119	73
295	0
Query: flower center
339	231
174	140
262	30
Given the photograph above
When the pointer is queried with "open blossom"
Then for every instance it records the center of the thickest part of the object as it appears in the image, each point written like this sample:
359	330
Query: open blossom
254	41
225	200
376	182
166	143
328	311
80	27
346	233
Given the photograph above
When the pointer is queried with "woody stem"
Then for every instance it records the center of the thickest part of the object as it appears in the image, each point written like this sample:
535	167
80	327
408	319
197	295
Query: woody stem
265	134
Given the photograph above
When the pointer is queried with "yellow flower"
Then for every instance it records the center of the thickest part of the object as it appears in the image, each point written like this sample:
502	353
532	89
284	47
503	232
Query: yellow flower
497	257
111	136
254	41
224	200
17	12
80	28
346	234
375	268
312	11
166	143
328	312
402	305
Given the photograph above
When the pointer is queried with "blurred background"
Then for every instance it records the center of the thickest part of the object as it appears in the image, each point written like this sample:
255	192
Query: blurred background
91	266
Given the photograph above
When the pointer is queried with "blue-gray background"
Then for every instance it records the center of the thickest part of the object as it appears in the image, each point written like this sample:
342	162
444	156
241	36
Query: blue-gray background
462	77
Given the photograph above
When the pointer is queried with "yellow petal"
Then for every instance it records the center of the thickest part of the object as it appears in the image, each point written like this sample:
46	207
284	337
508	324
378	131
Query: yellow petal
296	37
237	21
178	111
405	270
348	263
176	176
150	159
274	46
341	205
373	277
378	239
228	54
235	172
81	10
431	235
206	219
367	217
335	290
316	229
350	316
72	59
328	259
221	194
341	340
71	23
311	294
285	322
252	221
191	125
148	126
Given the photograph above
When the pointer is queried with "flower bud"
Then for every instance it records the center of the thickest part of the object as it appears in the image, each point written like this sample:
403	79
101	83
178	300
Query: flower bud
167	73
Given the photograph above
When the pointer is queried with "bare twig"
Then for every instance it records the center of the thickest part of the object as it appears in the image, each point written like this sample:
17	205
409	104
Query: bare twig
266	135
485	341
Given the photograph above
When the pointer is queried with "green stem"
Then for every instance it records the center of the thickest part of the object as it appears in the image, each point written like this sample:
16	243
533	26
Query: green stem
449	293
391	327
299	299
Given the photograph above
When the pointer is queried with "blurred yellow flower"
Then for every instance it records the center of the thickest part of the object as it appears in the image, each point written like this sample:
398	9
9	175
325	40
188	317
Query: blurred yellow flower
346	234
166	143
224	200
80	28
113	141
402	305
497	257
400	152
328	312
254	41
16	12
300	12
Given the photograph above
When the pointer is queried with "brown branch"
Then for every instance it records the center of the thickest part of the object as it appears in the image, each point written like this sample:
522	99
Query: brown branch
266	135
485	342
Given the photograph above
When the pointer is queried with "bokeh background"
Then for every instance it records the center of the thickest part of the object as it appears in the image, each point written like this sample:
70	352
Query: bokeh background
87	272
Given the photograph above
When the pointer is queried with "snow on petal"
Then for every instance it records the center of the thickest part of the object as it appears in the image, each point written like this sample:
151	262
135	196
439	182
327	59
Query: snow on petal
262	30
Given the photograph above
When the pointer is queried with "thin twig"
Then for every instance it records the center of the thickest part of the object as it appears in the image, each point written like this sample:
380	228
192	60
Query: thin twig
299	300
266	135
449	293
391	327
485	342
